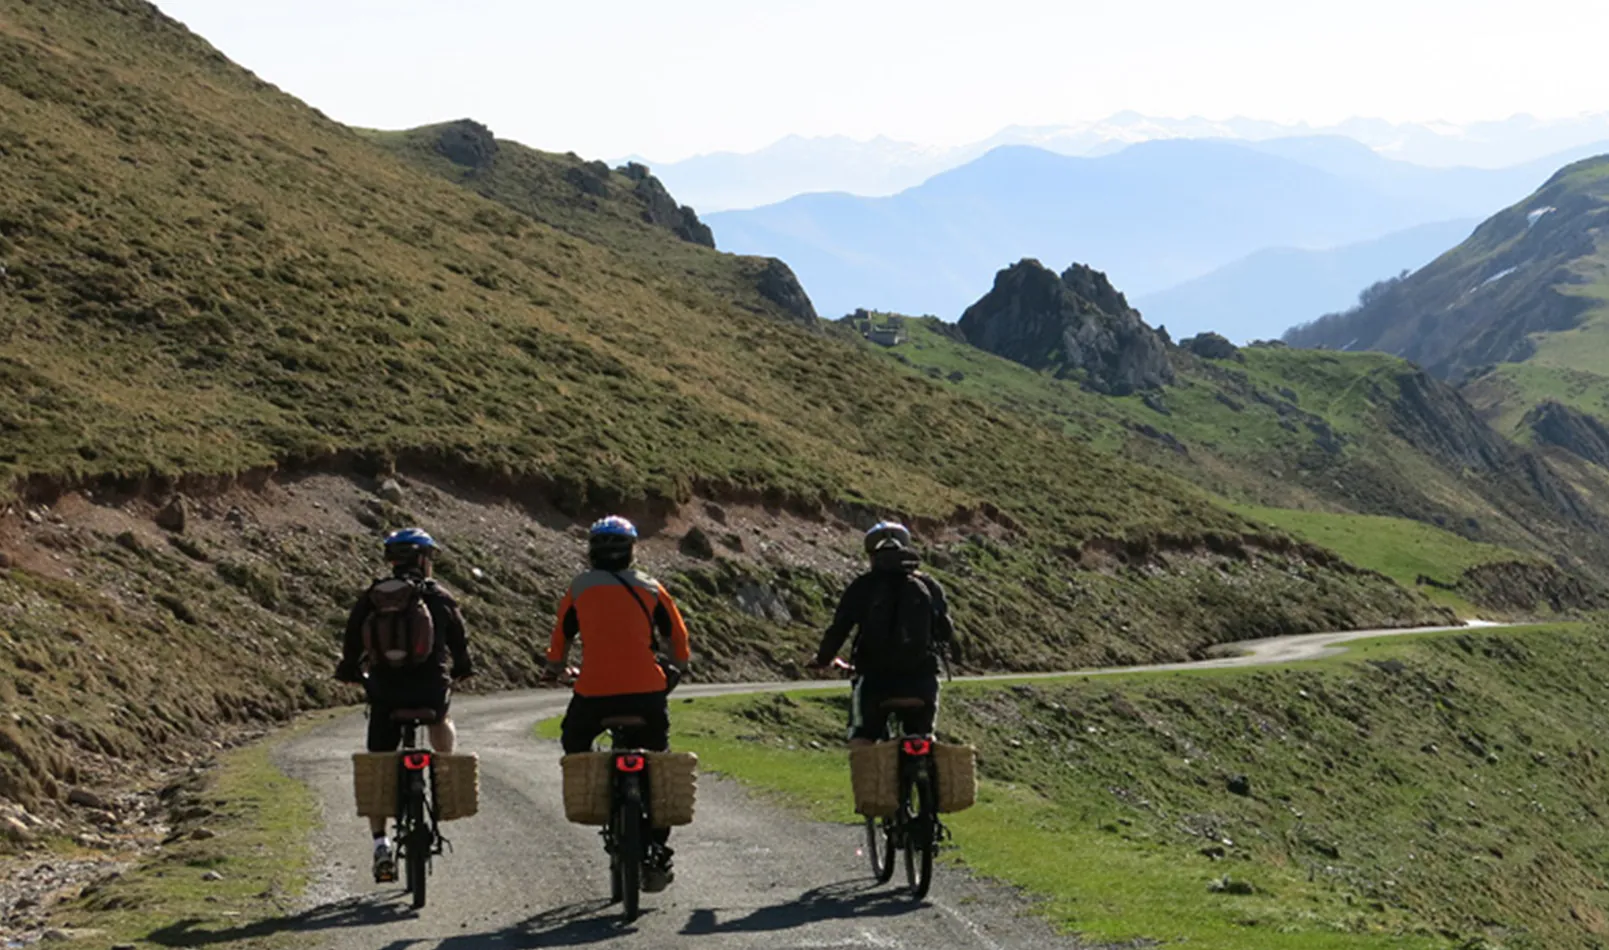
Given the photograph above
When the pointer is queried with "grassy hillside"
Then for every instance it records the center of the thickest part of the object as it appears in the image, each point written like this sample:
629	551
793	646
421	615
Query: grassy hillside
1333	434
1519	311
1435	793
211	289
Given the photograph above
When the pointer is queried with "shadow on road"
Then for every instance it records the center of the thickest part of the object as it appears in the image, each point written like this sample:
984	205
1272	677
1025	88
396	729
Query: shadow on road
845	900
573	925
365	911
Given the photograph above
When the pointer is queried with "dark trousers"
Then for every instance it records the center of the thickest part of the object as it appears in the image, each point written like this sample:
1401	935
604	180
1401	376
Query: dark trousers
868	692
385	695
583	722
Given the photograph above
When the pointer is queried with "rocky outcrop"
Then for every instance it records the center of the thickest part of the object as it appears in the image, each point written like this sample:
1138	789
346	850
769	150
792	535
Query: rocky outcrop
467	143
661	210
1553	423
777	283
1211	346
1076	325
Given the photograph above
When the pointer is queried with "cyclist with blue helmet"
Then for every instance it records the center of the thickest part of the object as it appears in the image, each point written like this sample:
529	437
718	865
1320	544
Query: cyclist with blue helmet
902	626
407	633
622	618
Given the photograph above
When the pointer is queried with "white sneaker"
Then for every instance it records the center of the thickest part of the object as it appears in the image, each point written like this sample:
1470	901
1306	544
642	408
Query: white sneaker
385	862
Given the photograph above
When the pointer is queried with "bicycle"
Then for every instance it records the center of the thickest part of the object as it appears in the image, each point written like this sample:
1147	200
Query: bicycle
418	836
625	837
914	827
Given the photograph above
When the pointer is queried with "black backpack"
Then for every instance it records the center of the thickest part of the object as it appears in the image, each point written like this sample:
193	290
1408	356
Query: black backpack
896	634
399	632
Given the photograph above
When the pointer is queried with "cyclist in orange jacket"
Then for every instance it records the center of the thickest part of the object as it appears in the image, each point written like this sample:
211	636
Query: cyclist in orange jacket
618	612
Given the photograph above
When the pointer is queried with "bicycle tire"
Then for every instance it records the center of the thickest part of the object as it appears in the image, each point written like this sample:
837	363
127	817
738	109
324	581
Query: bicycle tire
920	840
417	850
880	849
630	847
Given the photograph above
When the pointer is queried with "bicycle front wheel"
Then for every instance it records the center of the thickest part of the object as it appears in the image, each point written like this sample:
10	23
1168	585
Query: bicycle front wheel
880	849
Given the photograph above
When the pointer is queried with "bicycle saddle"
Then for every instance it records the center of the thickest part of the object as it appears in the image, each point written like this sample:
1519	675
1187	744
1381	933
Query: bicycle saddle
896	705
413	715
623	722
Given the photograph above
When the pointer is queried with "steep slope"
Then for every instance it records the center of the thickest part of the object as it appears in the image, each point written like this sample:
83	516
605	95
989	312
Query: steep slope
1260	296
1528	286
1155	214
227	315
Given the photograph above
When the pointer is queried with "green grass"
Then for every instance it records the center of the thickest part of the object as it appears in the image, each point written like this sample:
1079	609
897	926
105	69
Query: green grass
1425	791
1402	550
262	821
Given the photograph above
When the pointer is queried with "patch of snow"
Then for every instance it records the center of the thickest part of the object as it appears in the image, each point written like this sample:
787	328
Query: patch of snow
1351	344
1498	276
1535	216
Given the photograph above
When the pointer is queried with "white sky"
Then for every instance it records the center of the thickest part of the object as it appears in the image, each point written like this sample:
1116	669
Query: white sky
669	78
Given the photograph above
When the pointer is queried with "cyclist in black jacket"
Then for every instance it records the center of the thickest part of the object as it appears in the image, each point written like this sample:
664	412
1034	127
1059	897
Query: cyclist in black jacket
422	685
902	626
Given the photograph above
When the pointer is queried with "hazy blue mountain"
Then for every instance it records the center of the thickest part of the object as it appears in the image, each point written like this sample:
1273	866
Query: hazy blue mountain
797	165
1266	293
882	166
1463	190
1152	216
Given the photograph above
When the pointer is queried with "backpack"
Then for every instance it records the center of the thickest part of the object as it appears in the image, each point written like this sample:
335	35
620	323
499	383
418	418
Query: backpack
398	632
896	634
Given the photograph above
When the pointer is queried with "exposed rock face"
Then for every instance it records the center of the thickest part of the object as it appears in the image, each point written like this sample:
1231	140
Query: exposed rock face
777	283
1076	325
1211	346
1554	423
467	143
660	209
1431	414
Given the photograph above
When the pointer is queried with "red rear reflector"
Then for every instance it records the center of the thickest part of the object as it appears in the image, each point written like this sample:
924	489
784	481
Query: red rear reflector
416	761
918	747
630	763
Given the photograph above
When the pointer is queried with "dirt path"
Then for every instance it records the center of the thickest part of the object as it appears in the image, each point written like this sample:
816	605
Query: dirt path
747	875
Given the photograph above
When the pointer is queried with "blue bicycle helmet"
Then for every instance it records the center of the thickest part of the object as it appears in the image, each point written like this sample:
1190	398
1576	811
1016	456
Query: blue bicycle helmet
409	543
610	542
613	526
887	534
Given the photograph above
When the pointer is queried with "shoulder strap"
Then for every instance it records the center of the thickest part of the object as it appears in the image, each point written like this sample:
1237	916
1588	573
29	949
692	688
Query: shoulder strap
647	614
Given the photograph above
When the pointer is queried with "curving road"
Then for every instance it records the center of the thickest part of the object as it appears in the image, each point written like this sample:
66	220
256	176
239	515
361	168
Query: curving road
747	875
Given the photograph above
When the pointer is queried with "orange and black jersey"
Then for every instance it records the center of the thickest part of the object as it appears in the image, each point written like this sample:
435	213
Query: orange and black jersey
617	616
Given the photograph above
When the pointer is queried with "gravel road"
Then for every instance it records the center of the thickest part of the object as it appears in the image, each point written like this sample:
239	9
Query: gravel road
748	875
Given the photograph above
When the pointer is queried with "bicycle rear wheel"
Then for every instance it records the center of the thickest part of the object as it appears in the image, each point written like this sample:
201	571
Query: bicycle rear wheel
921	840
416	851
629	846
880	849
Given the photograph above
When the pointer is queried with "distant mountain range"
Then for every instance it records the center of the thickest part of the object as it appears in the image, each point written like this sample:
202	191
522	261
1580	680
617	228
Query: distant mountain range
1263	294
1154	215
882	166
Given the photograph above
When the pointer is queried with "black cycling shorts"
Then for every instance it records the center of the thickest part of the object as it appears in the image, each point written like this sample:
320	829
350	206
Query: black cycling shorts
583	721
385	735
869	692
